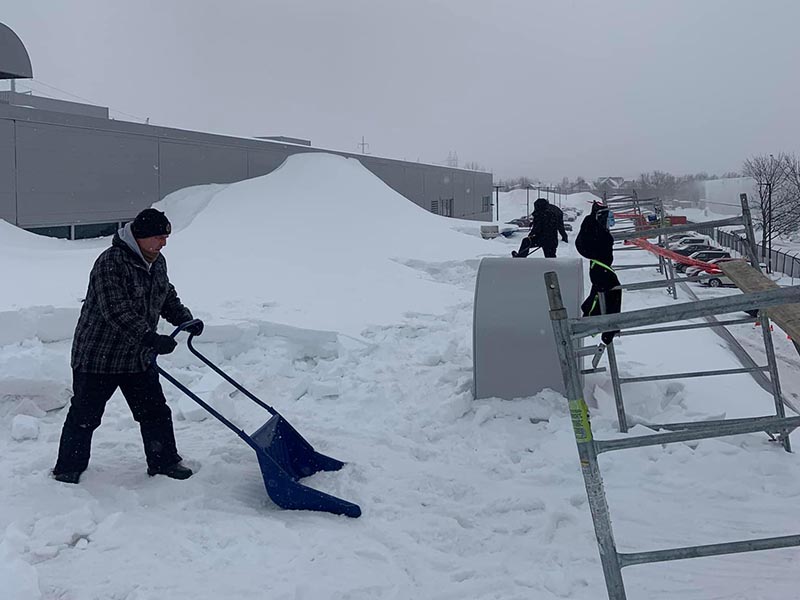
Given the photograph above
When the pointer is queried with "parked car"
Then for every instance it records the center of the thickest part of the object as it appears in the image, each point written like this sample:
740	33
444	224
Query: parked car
705	256
722	281
692	271
676	237
694	239
692	248
570	214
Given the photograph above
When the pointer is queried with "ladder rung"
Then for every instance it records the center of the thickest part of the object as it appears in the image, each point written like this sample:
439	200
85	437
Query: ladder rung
692	374
646	285
773	425
590	371
637	558
710	423
686	327
645	266
587	351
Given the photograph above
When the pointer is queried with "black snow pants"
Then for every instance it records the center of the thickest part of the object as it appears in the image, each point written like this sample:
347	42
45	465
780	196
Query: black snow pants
144	396
549	249
603	279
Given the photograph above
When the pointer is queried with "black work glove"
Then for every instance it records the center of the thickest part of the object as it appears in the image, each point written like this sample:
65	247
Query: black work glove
162	344
195	328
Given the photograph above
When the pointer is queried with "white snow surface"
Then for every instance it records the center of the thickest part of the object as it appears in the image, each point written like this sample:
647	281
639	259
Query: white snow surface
349	309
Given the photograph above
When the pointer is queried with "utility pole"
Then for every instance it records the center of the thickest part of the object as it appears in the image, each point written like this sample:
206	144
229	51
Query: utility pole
497	200
364	145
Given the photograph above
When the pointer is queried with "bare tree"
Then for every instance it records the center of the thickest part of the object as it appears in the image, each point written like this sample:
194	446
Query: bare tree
777	210
792	171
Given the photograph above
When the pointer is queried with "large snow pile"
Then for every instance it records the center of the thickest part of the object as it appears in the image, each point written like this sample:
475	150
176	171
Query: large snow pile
349	309
320	242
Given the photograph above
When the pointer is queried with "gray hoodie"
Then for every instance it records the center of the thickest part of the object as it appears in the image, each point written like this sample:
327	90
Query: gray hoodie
126	235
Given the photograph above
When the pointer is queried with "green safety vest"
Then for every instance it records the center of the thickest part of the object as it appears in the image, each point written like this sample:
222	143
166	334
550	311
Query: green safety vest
594	262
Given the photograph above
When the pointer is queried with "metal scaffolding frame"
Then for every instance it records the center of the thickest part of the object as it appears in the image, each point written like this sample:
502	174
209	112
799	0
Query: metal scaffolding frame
642	210
636	215
771	367
568	333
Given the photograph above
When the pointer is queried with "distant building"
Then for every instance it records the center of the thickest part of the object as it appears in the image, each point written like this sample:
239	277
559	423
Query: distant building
721	196
609	183
67	170
581	186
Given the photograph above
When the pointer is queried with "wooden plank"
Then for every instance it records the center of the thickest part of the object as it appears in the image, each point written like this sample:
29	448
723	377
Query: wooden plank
748	279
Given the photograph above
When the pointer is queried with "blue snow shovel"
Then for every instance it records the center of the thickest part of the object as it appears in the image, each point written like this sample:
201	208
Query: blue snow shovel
283	454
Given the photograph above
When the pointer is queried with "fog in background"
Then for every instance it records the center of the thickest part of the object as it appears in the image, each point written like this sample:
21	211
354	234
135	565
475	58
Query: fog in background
521	87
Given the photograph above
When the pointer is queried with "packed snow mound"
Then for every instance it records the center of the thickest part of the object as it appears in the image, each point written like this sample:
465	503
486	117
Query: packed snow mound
320	243
185	204
322	198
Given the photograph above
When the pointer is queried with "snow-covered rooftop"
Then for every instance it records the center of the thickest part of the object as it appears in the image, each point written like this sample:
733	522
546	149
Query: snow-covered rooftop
349	309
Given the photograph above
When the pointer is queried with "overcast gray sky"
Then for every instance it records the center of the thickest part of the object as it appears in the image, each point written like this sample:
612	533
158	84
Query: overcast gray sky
523	87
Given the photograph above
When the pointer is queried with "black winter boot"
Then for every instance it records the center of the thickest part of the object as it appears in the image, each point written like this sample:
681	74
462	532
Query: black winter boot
176	471
72	477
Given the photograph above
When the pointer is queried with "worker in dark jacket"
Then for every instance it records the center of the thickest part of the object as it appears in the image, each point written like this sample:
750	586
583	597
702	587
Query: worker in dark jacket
548	223
115	344
596	243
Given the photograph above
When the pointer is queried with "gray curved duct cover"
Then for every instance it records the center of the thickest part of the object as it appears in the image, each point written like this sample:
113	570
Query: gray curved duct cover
513	349
14	60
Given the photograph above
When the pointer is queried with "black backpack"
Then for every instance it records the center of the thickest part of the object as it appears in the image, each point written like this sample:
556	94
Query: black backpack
587	237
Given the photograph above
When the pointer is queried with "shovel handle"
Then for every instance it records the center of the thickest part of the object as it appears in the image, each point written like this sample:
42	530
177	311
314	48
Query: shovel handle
178	329
184	326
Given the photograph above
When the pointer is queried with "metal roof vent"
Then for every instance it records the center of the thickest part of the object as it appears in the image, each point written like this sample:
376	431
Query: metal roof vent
14	60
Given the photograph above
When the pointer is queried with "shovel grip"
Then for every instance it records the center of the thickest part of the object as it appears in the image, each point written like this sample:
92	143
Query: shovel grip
183	326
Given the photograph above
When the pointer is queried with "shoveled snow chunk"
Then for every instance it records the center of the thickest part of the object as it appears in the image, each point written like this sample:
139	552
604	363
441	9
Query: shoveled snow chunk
24	427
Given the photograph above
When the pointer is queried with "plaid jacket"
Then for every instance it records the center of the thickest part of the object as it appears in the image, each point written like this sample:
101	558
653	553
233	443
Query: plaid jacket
123	303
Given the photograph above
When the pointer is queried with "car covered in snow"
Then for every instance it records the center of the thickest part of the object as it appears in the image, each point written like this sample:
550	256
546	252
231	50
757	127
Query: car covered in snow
675	238
693	239
692	248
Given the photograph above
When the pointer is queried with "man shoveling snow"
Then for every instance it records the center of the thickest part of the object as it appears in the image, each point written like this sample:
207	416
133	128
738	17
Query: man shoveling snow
115	344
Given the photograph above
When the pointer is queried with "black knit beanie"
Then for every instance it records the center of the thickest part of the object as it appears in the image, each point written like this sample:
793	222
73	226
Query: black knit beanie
150	222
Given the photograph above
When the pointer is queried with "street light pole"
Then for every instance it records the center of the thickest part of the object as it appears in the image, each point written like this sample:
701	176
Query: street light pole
769	238
527	200
497	200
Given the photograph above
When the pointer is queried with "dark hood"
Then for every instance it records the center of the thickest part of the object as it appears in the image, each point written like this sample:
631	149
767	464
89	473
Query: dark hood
596	206
600	214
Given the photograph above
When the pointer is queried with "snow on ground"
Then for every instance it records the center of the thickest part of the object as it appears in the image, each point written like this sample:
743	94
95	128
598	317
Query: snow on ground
350	310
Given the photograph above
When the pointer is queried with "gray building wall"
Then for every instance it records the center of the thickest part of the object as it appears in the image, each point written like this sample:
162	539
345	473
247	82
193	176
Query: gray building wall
8	193
65	169
65	106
